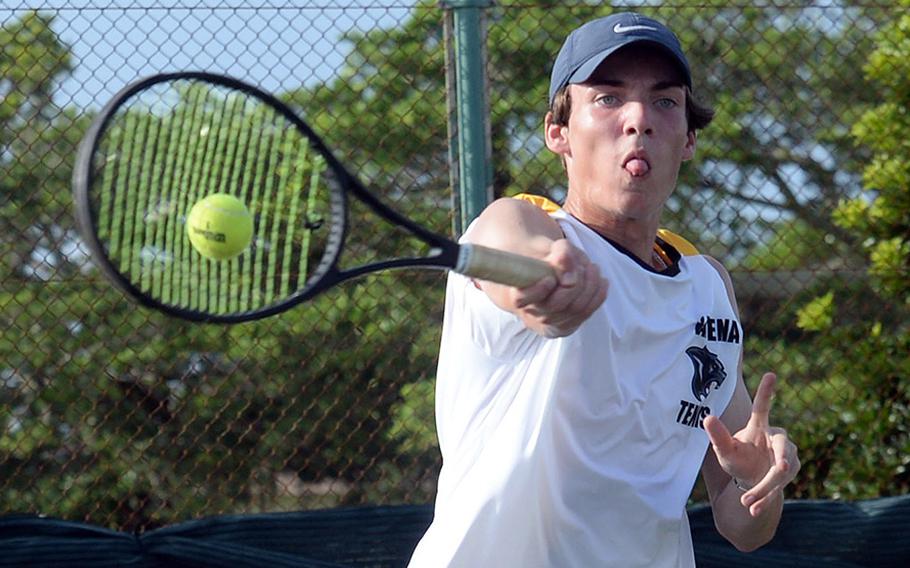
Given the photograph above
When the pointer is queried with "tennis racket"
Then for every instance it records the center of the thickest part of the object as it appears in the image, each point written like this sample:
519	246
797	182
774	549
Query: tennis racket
166	142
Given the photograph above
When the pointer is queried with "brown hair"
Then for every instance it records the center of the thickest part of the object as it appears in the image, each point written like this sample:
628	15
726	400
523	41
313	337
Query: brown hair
698	115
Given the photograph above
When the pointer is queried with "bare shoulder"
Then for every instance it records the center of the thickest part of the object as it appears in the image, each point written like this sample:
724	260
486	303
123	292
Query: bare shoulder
725	276
719	267
737	413
514	225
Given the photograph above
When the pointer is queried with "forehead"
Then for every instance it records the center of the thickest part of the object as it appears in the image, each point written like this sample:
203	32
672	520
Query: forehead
639	61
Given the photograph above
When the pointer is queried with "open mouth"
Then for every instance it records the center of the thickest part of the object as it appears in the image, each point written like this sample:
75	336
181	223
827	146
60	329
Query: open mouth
637	165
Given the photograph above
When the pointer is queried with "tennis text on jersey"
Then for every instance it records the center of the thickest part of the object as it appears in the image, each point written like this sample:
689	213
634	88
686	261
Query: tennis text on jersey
718	329
691	414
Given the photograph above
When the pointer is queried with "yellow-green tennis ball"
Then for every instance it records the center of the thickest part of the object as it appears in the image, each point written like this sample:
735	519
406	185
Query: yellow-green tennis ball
220	226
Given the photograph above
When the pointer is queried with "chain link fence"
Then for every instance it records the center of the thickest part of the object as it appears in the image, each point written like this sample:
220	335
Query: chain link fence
119	416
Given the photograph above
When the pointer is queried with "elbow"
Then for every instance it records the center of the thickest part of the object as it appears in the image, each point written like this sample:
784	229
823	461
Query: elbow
745	532
747	547
747	541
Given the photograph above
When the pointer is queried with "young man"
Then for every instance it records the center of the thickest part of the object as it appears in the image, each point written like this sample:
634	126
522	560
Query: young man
574	415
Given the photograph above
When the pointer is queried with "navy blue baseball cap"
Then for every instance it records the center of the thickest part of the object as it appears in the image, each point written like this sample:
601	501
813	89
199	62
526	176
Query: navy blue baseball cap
587	47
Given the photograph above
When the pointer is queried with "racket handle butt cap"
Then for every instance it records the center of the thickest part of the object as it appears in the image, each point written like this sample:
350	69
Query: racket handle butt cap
499	266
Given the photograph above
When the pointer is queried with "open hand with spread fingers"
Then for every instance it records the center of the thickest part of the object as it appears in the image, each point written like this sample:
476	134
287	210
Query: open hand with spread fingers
761	458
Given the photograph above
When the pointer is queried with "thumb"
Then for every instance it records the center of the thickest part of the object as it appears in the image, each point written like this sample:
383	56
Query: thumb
719	436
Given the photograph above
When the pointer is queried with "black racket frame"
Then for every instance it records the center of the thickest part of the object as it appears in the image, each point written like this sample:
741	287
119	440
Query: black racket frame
443	252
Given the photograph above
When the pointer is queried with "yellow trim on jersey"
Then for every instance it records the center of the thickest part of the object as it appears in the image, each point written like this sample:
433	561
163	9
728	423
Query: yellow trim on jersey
684	247
540	201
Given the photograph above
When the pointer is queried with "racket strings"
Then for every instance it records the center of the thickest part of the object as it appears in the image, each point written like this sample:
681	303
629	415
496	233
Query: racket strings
167	148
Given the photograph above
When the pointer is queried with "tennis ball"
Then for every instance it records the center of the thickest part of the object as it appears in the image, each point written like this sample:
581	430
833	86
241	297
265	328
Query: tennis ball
219	226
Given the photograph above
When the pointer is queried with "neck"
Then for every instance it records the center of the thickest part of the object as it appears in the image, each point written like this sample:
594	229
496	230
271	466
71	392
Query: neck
635	235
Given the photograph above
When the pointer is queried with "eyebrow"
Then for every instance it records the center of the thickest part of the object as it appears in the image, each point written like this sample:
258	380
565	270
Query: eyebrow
658	86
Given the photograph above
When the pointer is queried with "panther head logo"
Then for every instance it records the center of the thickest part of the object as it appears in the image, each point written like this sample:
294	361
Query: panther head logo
709	371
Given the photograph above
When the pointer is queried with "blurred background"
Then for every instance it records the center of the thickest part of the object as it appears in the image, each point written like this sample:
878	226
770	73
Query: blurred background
121	417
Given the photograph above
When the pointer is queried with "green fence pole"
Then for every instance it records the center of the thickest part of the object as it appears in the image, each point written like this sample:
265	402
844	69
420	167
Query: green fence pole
472	175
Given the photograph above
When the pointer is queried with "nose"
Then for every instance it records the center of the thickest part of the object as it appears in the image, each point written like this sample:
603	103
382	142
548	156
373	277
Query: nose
637	119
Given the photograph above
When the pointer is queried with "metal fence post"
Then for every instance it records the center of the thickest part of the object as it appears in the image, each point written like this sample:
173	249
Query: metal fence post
469	128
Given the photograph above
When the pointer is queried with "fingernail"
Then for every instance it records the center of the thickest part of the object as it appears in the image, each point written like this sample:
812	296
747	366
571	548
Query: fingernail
748	500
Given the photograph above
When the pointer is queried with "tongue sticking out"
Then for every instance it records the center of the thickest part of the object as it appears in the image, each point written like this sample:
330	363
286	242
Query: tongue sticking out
637	167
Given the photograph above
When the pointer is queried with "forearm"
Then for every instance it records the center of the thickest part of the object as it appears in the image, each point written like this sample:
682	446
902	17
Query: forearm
736	523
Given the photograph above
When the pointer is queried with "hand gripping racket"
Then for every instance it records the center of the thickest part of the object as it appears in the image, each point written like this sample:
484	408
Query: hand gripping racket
166	142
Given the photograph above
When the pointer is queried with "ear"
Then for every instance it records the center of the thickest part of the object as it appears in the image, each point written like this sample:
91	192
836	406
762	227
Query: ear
555	136
689	148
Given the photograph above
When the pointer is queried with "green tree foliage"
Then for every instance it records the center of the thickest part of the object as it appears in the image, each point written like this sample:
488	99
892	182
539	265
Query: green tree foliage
778	147
35	139
866	411
126	418
786	90
883	222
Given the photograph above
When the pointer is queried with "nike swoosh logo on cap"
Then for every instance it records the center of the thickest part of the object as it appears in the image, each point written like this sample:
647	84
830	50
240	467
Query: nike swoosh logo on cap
621	29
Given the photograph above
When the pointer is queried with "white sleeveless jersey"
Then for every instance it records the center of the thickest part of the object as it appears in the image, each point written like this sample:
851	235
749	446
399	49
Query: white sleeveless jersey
580	451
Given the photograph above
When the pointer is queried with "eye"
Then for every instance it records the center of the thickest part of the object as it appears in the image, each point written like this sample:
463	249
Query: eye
667	103
606	99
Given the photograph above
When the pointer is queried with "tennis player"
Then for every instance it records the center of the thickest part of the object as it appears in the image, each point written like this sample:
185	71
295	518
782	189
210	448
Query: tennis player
575	415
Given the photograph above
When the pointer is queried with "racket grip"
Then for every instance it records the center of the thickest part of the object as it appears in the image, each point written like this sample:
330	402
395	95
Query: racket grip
501	267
